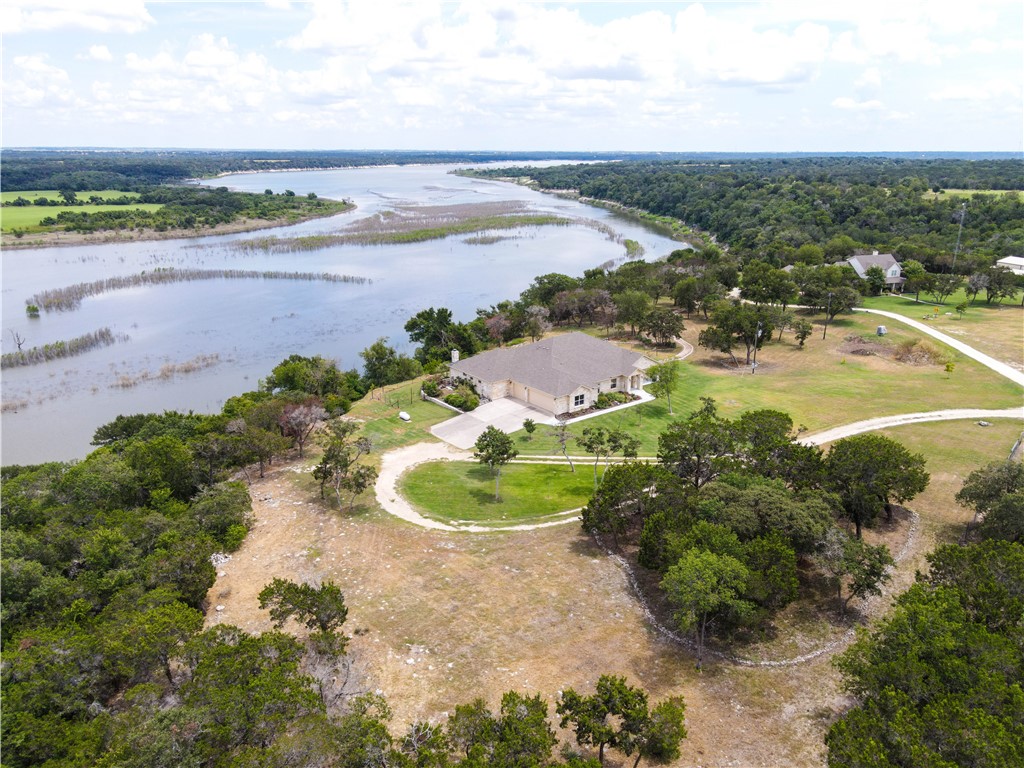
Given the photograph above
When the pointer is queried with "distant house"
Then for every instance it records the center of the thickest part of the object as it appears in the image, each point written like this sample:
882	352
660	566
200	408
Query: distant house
894	279
1013	263
561	374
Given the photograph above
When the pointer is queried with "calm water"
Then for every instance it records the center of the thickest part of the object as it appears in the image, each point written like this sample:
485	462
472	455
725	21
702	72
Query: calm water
52	410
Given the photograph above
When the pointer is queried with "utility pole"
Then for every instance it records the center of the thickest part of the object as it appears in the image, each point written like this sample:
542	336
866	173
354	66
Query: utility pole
757	338
963	213
828	310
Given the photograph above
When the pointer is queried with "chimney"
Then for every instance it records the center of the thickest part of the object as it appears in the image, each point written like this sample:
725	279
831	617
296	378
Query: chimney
455	355
874	253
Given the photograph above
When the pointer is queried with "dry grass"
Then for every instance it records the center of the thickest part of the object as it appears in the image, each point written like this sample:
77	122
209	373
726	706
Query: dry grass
996	330
566	614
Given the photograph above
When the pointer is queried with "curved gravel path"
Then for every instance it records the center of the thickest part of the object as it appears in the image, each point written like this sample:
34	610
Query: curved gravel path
996	365
394	463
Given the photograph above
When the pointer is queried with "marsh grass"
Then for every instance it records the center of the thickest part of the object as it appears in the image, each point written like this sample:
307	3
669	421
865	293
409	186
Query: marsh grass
167	371
70	297
59	349
414	224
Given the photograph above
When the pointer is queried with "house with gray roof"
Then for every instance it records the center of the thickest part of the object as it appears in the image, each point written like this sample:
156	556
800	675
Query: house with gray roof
885	261
560	374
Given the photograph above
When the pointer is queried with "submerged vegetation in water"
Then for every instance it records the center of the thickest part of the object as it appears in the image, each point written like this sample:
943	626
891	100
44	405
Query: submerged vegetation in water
414	224
58	349
70	297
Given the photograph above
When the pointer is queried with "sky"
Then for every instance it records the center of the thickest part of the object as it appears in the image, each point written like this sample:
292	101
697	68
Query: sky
794	76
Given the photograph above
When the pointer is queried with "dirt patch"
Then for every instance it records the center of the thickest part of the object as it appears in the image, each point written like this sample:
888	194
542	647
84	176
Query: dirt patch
910	351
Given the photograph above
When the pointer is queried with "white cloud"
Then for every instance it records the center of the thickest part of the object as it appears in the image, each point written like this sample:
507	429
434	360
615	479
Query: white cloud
991	90
845	102
97	53
96	15
39	84
870	78
730	49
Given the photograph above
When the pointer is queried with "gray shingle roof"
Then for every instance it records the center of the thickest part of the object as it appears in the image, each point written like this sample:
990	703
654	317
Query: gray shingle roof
559	365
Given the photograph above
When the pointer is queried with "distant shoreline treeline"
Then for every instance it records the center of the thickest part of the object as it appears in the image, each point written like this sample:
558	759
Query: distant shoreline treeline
83	169
70	297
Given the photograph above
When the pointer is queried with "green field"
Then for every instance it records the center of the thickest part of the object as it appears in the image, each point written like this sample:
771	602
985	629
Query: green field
929	195
27	218
463	492
53	194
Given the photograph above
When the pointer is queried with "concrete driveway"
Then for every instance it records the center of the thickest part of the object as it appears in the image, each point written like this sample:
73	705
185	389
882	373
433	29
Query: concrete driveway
507	414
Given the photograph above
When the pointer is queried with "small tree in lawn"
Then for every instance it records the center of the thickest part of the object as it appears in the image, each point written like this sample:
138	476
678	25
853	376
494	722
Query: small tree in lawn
529	426
561	434
494	448
664	378
802	330
594	440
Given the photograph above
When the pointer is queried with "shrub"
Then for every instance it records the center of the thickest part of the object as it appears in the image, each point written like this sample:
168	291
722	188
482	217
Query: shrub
609	399
463	398
430	388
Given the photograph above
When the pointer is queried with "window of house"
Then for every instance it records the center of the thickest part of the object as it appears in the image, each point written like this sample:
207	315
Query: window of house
615	383
578	401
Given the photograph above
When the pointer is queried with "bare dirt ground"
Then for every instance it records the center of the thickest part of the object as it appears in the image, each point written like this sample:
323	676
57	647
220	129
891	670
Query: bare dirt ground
440	618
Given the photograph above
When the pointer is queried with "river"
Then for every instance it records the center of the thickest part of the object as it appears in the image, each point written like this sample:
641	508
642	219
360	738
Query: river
240	329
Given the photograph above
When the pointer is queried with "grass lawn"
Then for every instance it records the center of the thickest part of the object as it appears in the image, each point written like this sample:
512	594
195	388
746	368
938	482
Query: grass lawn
380	409
53	194
462	491
996	330
820	386
929	195
27	217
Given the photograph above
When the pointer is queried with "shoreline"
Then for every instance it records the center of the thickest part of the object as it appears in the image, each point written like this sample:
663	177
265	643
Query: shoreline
111	236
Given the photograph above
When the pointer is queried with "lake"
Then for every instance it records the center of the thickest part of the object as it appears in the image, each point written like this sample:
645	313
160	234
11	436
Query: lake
192	345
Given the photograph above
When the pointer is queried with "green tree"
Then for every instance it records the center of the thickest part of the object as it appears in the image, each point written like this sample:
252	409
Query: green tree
996	494
802	330
704	587
916	277
700	448
382	365
625	494
863	566
495	449
870	472
875	279
632	307
662	324
321	609
664	379
937	680
613	716
663	732
942	286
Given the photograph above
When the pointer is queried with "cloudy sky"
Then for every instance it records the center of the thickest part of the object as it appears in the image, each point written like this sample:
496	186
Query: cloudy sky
514	75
